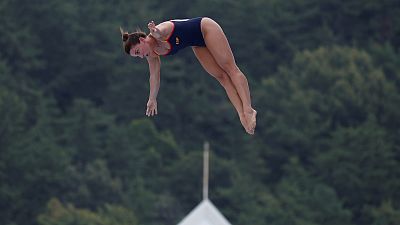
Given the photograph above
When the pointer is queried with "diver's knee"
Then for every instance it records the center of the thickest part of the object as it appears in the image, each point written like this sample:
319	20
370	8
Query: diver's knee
223	78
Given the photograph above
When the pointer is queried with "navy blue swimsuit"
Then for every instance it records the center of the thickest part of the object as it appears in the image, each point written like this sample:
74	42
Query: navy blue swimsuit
186	32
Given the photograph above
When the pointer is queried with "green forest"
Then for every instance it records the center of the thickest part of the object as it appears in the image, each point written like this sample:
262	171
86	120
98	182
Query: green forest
76	147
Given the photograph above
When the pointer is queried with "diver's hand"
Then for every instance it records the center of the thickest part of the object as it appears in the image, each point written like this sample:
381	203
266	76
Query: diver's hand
151	107
154	31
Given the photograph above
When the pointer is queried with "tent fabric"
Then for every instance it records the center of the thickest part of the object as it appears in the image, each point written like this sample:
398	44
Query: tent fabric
205	214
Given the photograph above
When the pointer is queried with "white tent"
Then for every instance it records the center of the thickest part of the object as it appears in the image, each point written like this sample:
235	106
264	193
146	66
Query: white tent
205	213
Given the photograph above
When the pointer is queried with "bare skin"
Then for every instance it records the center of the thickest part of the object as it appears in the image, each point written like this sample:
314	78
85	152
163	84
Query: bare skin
216	58
209	64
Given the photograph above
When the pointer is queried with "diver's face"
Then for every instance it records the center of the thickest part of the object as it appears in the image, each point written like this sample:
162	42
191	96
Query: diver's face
140	50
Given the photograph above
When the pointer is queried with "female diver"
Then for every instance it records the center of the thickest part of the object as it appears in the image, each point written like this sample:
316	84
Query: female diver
211	48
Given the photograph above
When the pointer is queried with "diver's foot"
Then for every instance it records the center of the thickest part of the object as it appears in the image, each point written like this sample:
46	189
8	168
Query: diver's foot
251	121
244	123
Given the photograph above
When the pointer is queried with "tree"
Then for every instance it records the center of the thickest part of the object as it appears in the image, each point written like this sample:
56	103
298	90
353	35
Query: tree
339	128
58	213
299	198
386	213
33	166
91	186
142	157
361	165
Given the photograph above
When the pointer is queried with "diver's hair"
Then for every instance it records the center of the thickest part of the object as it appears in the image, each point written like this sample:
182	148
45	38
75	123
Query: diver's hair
131	39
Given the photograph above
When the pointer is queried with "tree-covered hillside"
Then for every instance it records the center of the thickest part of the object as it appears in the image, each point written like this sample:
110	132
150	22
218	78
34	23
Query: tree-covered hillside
77	148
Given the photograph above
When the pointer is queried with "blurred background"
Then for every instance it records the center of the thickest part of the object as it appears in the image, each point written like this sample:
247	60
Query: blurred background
77	149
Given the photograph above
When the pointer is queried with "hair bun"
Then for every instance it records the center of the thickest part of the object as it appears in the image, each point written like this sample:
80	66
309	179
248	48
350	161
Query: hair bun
125	36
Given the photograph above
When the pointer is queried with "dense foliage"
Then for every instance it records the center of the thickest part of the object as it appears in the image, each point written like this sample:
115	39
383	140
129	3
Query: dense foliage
77	148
